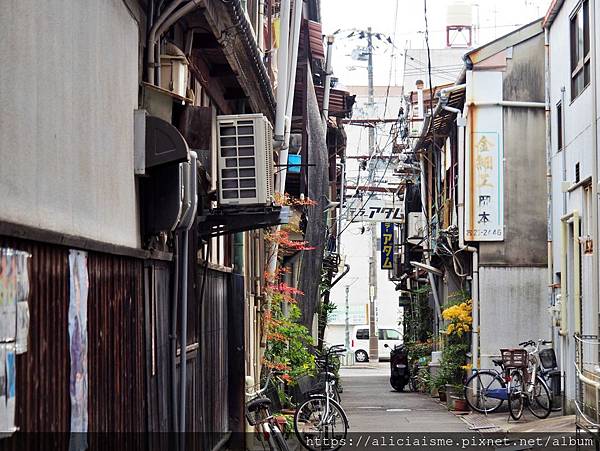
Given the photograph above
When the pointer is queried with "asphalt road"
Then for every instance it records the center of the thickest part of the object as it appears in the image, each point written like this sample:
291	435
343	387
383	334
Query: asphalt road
373	406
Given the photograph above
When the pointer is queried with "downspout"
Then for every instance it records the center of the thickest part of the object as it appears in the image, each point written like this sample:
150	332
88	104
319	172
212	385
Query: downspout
595	237
549	212
436	298
173	332
152	37
286	95
282	62
327	85
461	122
186	224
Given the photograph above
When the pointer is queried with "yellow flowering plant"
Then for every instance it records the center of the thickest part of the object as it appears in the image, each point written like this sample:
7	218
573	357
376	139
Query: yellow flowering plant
460	318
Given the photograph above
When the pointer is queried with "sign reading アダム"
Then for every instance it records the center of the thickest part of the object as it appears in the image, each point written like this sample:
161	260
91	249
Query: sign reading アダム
387	245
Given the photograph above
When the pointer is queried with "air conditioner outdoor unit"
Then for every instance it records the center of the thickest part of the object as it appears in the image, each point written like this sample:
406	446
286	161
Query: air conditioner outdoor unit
245	145
416	227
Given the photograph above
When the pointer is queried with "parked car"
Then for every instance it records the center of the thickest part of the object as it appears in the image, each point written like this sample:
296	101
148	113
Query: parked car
388	338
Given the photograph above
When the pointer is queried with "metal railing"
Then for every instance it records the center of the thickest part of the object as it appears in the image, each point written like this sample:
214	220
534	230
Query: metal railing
587	381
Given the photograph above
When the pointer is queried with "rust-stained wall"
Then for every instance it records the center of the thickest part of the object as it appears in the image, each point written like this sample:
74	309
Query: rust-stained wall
525	162
116	353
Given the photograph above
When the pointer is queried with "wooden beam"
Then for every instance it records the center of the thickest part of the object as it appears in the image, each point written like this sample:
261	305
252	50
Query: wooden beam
211	85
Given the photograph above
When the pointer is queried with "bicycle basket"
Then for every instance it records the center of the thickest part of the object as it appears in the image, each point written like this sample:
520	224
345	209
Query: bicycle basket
514	358
255	417
548	359
309	385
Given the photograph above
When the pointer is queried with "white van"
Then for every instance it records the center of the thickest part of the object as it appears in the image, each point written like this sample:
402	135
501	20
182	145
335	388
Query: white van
359	342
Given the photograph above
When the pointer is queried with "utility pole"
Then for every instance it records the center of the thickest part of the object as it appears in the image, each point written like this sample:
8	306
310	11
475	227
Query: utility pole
373	335
347	323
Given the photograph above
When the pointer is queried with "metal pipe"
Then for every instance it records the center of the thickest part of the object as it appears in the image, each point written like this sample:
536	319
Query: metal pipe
282	62
594	206
289	101
510	103
576	274
461	122
327	85
549	211
150	56
183	339
185	9
563	323
173	332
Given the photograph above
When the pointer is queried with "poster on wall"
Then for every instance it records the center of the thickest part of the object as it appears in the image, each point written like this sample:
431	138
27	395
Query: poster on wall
8	295
7	389
22	301
78	384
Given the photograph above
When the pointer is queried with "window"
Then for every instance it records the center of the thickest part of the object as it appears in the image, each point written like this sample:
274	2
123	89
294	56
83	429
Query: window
559	122
391	334
580	49
362	334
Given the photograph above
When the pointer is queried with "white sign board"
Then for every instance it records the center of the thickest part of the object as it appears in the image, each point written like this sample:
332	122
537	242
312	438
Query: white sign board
484	182
376	210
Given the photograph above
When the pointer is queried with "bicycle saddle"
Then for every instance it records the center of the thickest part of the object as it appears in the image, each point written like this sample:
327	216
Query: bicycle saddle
497	362
258	403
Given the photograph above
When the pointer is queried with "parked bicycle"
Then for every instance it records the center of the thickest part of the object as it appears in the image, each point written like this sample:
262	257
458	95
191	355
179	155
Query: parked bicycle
485	391
258	414
525	386
320	422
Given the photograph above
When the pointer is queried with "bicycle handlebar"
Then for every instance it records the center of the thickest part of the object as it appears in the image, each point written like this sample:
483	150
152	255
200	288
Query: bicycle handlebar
266	386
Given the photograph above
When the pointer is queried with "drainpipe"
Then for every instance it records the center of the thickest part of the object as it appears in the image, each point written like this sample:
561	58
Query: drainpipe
185	9
152	37
461	122
426	255
282	63
327	85
548	174
594	212
173	332
510	103
287	92
186	224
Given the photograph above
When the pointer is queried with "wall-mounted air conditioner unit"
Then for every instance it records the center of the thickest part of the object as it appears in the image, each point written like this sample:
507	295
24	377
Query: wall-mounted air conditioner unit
245	146
416	227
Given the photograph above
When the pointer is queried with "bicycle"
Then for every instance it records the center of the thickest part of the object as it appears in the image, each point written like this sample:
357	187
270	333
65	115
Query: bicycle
259	415
485	391
525	386
320	423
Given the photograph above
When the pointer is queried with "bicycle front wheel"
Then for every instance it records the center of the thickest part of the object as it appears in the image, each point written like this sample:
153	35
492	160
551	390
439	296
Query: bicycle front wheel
276	440
540	401
515	395
485	391
321	424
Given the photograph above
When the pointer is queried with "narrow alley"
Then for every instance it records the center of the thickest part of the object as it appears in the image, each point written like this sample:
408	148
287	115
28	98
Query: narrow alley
373	406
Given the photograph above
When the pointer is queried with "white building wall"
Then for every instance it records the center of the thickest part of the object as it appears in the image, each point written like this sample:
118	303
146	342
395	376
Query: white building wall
68	88
507	315
578	140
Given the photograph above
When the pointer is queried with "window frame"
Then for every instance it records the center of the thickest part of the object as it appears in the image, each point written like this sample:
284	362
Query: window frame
560	138
580	67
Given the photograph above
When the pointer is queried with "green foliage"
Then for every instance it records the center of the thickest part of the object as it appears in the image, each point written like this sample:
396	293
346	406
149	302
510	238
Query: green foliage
418	318
418	349
288	342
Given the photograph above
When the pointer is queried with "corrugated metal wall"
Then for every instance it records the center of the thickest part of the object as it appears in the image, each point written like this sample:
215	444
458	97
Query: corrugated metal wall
214	355
116	356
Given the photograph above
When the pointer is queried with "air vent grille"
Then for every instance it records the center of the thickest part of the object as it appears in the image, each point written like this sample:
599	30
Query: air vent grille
245	159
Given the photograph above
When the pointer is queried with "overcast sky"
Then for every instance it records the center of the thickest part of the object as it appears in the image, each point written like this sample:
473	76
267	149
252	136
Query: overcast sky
403	21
